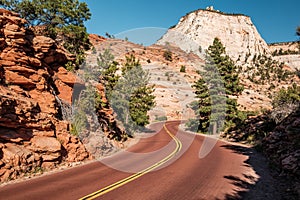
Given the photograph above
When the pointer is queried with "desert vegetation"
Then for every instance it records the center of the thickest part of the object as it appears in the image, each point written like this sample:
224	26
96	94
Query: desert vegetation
129	94
265	70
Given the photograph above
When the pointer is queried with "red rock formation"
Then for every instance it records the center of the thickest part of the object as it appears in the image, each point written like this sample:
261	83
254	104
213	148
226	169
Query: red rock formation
32	134
96	39
33	86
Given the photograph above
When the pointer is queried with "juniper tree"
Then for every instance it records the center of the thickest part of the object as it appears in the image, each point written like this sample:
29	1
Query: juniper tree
285	102
54	13
84	107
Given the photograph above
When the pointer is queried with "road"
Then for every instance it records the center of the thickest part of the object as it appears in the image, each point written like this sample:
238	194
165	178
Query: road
160	166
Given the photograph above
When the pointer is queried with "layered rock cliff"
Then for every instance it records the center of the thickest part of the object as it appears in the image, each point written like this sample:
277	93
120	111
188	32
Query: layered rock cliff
196	31
35	103
32	133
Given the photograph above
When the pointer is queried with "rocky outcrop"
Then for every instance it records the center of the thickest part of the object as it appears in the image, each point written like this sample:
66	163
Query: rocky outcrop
278	139
196	31
282	145
33	134
36	96
96	39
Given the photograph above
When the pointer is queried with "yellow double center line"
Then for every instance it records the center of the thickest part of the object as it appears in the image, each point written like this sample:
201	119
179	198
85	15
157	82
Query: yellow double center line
139	174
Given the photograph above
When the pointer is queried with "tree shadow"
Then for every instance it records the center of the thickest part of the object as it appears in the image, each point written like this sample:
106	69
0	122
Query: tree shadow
252	130
268	185
147	130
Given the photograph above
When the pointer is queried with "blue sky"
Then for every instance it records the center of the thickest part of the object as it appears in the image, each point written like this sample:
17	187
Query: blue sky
276	20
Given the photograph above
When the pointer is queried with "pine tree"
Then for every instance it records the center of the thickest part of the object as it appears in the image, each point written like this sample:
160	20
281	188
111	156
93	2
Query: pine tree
203	112
132	97
219	82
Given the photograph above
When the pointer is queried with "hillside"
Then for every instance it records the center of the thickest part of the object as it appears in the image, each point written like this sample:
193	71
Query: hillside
172	88
287	52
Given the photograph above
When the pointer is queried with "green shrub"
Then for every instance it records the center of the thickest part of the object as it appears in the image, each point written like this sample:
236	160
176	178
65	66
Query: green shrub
168	55
182	69
291	95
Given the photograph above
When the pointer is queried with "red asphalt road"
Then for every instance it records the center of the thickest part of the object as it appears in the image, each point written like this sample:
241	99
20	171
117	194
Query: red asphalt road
185	176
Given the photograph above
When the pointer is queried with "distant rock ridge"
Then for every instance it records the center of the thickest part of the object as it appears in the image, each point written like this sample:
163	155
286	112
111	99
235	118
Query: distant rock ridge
283	43
196	31
287	52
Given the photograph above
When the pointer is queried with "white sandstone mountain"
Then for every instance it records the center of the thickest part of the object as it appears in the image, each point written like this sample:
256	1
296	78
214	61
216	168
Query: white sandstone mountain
197	30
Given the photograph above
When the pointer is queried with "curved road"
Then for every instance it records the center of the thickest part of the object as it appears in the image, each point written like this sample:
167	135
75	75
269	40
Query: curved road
161	166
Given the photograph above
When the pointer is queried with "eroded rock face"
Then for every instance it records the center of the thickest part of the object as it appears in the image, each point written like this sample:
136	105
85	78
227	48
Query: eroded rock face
32	133
196	31
35	100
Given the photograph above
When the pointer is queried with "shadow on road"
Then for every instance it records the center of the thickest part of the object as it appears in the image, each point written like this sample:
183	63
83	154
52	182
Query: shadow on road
147	130
268	185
